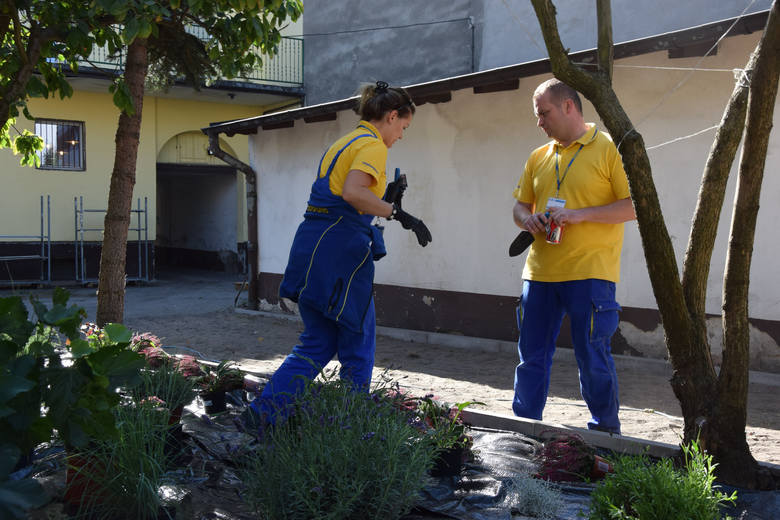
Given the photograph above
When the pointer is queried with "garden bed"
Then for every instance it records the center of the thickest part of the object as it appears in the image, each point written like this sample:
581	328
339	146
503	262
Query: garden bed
137	443
207	485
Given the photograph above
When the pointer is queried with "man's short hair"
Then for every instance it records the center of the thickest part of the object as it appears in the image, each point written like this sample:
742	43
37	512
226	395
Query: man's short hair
560	92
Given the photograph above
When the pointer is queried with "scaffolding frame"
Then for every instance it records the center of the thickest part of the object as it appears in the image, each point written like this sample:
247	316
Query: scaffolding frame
44	256
144	259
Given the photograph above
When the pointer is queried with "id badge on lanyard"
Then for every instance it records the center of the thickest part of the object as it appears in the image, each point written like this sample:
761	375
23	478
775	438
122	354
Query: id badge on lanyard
554	231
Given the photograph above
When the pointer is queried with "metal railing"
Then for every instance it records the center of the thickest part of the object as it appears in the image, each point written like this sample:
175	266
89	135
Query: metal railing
283	68
142	243
44	247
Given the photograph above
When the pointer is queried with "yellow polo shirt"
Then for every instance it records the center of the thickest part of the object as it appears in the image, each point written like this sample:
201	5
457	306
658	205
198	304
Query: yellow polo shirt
367	154
595	178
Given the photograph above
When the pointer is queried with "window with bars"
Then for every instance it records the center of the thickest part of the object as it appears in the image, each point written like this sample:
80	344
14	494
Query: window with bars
63	144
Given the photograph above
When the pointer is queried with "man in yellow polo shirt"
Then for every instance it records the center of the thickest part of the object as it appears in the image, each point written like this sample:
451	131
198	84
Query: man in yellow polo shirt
577	183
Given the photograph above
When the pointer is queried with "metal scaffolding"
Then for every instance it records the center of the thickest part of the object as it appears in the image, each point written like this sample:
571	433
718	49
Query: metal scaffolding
44	251
142	239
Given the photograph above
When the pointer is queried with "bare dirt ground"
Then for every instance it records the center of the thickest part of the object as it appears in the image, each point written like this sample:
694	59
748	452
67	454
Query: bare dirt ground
649	409
195	310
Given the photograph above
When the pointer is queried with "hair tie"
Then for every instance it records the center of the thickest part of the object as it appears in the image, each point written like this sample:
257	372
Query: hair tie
381	87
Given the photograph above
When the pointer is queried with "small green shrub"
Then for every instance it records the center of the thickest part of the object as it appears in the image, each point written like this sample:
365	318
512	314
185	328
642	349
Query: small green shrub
48	385
342	455
442	422
642	490
121	478
534	497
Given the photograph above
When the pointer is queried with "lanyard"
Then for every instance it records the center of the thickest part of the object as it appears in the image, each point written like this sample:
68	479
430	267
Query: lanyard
559	180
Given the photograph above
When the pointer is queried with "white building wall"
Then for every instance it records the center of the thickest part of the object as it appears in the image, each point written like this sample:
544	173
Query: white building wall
463	159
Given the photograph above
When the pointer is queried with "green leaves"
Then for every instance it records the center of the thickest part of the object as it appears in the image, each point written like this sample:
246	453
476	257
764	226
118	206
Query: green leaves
27	145
38	393
118	333
131	29
642	489
122	98
14	327
37	88
11	385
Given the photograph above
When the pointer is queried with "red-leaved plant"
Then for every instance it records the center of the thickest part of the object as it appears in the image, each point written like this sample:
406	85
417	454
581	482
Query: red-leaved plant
566	457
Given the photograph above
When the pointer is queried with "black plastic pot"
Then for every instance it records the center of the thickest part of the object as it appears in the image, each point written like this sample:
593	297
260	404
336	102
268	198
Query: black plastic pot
448	462
214	402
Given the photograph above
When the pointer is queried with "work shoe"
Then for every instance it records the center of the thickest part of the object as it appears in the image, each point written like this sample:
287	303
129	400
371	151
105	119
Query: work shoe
253	422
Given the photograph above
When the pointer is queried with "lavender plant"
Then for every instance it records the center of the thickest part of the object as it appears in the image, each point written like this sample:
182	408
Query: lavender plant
341	455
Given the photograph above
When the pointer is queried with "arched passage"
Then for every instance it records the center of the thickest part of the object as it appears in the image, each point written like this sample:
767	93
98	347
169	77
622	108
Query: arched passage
199	208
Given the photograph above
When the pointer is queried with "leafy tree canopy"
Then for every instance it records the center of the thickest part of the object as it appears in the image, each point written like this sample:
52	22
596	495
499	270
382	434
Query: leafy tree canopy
200	40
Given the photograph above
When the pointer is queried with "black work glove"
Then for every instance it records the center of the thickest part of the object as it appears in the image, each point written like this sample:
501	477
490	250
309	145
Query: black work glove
415	224
395	191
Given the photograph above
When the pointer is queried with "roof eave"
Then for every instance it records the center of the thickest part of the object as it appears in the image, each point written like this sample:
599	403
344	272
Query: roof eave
501	78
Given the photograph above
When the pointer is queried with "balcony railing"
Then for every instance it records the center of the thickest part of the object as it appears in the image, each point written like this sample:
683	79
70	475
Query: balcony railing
285	68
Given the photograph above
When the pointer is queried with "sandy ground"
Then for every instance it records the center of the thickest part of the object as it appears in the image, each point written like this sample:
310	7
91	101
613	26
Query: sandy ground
649	409
195	310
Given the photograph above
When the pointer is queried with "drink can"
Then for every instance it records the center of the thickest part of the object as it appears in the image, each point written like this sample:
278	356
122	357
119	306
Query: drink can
554	232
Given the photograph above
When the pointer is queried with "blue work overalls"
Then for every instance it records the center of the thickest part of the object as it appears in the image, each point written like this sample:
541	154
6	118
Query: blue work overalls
593	316
330	274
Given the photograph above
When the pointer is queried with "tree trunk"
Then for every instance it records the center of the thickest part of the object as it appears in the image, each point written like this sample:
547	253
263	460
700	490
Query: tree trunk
730	415
693	380
720	421
701	241
111	283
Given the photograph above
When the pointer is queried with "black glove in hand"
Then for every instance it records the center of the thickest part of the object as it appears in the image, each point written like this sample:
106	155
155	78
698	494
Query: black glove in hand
395	191
415	224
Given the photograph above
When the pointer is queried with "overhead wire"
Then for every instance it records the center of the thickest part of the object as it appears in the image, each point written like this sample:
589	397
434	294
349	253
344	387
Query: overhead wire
690	70
387	27
687	76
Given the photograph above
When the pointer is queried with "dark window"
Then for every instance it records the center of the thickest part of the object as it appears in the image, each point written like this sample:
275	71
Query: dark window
63	144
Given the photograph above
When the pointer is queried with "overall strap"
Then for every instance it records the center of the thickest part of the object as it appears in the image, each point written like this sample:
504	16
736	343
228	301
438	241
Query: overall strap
338	154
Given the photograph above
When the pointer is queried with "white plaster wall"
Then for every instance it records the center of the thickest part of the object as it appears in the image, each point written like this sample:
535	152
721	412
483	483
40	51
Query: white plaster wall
202	213
463	159
684	110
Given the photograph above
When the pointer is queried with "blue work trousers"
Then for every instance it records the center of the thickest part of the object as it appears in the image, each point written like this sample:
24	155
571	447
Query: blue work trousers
322	338
593	315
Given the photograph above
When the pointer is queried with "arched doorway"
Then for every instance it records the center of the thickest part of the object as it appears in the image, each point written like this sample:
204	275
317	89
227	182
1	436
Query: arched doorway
200	203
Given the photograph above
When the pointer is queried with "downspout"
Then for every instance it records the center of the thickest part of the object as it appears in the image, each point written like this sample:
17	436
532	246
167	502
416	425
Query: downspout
251	211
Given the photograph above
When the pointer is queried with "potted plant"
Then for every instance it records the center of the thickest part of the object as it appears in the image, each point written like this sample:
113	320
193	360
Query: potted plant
444	427
225	377
566	457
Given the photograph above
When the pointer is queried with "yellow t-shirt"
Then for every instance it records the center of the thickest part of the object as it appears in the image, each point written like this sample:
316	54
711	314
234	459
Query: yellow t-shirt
367	154
595	178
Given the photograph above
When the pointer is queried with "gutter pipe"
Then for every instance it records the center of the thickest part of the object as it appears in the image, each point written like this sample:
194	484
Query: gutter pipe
251	214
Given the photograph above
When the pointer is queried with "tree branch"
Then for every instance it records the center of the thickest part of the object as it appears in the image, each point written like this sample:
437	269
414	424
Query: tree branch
605	47
688	349
701	241
18	39
761	104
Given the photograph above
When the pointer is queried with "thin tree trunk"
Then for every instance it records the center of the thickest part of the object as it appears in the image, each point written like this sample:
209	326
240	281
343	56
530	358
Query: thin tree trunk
730	417
693	380
701	241
682	306
111	283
